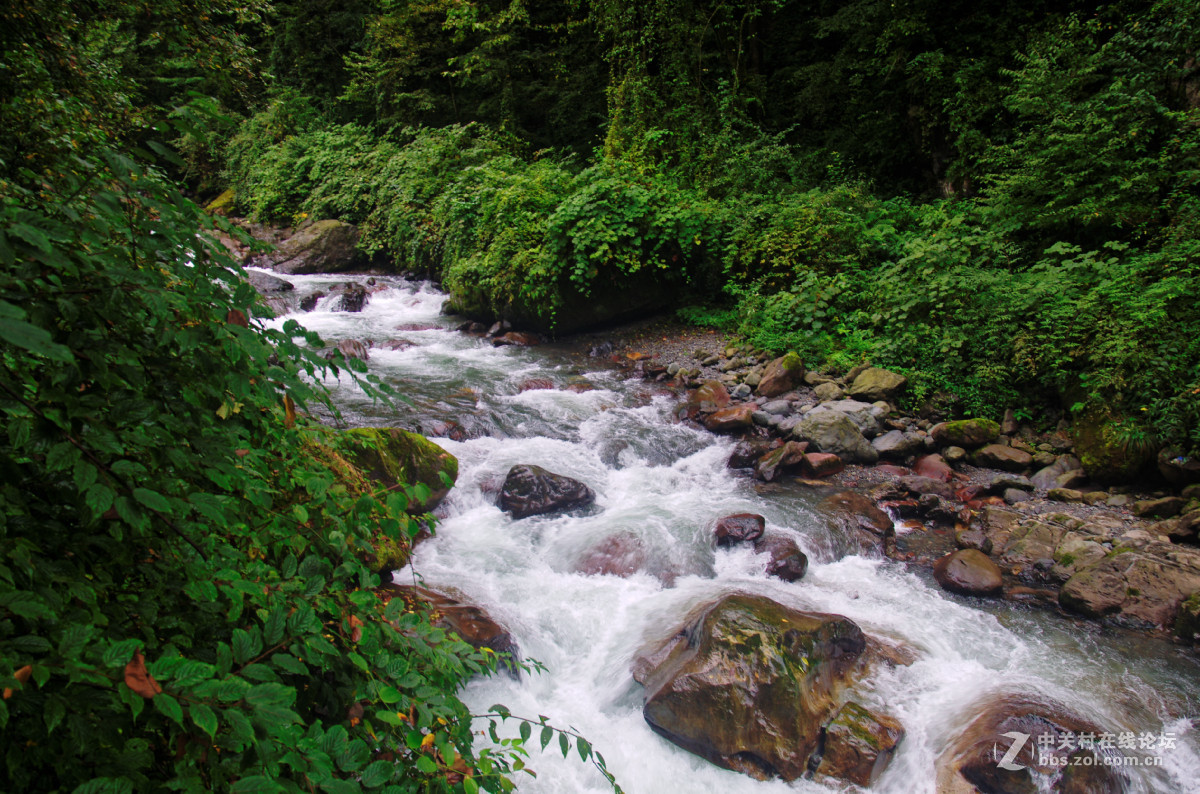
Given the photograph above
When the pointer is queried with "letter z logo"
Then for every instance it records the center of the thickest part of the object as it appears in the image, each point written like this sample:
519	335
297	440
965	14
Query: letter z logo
1018	742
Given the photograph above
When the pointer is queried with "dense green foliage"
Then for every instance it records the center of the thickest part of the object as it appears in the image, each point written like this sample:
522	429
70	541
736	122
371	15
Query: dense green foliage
184	602
1001	199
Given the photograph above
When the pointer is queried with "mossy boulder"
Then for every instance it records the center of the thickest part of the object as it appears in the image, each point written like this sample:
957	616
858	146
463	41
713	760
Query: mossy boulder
1187	622
222	204
394	458
1105	457
968	433
327	246
749	683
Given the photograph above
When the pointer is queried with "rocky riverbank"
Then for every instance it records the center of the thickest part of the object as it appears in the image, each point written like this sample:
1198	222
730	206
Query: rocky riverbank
1000	510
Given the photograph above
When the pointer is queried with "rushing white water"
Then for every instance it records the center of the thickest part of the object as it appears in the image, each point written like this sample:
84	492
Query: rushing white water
663	483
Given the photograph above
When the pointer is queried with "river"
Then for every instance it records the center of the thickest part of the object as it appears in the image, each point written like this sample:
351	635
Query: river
664	482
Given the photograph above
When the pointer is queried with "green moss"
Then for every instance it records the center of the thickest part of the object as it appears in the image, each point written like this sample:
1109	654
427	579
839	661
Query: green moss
222	204
792	362
1066	560
396	458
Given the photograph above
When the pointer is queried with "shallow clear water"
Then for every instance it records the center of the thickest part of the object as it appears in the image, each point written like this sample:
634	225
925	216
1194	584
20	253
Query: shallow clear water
663	483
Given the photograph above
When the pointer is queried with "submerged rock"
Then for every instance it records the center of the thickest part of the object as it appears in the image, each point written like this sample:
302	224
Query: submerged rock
787	562
532	490
748	683
739	528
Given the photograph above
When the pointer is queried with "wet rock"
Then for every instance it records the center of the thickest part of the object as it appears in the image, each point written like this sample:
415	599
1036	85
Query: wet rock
1029	542
787	561
394	458
996	456
731	419
774	463
739	528
968	572
859	745
965	432
834	432
1015	496
973	538
531	490
266	284
821	464
621	555
352	299
309	302
468	621
781	376
712	396
777	407
1074	553
859	519
516	339
350	348
747	452
1178	469
748	683
877	384
970	763
536	384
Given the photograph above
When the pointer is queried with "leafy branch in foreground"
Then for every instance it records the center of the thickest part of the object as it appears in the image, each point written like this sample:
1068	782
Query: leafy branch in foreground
183	599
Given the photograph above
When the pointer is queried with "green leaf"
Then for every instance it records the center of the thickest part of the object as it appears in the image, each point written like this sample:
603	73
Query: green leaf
584	748
169	706
426	765
152	499
470	786
377	773
289	664
525	731
256	784
547	735
119	653
564	744
204	718
36	340
390	695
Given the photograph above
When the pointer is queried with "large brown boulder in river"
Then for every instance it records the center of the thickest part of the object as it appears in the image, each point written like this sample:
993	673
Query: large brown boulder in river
531	490
748	683
1047	749
859	745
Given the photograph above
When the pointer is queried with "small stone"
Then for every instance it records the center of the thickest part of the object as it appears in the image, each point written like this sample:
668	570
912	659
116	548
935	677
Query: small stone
1118	500
953	455
1095	498
742	391
1014	496
778	407
1064	495
827	392
752	379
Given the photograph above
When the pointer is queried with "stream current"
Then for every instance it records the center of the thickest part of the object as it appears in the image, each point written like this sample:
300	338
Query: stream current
664	483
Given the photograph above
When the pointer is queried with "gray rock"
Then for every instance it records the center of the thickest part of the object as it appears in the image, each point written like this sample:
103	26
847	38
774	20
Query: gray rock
742	391
266	284
897	444
864	415
1015	495
951	455
326	246
826	392
836	433
1071	479
777	407
1002	482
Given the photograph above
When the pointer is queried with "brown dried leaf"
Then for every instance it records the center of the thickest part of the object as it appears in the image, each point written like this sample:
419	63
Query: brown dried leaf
138	678
289	411
21	675
237	317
